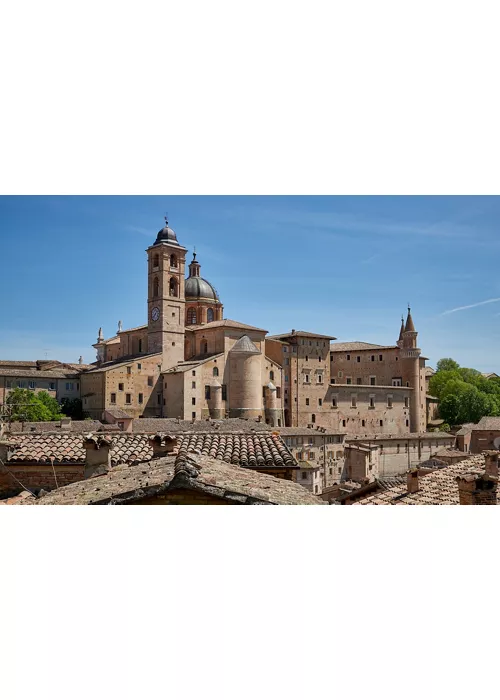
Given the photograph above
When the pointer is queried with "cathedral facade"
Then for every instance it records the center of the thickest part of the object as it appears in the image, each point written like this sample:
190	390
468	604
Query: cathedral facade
189	362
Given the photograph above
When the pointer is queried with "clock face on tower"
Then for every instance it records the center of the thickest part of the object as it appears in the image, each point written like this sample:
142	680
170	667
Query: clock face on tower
155	313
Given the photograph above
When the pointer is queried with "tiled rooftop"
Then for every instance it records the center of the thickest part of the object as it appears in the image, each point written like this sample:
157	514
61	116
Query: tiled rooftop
250	450
358	345
172	425
438	488
488	423
225	323
123	484
300	334
76	426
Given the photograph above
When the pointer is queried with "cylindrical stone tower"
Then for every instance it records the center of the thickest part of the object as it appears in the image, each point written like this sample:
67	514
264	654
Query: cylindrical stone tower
272	410
245	389
215	401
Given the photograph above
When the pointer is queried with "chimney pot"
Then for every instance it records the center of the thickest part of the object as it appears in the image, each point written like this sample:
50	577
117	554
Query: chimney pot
477	490
97	455
491	462
412	484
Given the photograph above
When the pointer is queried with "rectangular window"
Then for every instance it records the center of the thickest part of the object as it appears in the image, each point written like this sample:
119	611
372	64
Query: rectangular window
407	423
285	349
373	358
372	402
193	401
31	385
311	455
139	366
334	401
306	379
224	392
354	402
113	398
373	381
407	402
304	475
286	377
193	373
129	370
320	402
193	415
140	346
158	399
307	402
348	380
332	381
193	385
358	380
341	374
141	398
120	387
21	384
397	381
128	398
389	401
278	392
207	392
69	386
380	358
150	381
381	423
358	358
287	360
9	385
363	423
320	379
343	423
348	357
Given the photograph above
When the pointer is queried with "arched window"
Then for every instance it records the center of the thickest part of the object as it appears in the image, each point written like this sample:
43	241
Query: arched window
156	287
191	317
313	420
173	286
156	261
210	315
204	347
216	372
173	260
271	376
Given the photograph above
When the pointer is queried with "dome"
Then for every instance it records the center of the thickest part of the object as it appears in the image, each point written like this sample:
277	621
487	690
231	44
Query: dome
199	288
166	235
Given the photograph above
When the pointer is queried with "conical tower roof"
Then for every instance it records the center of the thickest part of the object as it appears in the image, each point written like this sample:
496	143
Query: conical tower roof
409	323
402	328
245	345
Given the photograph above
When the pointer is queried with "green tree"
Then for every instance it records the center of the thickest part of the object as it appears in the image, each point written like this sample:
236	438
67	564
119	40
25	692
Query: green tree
446	364
73	408
23	405
51	404
450	409
438	381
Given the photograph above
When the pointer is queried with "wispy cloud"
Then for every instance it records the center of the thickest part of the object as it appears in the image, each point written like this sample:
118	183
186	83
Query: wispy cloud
471	306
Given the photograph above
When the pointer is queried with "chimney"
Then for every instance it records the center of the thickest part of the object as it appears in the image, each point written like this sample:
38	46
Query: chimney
97	455
65	424
477	490
164	445
412	481
491	463
80	360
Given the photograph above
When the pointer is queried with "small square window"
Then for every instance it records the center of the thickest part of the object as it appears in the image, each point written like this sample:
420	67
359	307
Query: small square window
139	366
121	387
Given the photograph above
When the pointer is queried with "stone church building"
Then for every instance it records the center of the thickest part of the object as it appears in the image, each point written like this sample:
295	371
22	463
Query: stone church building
190	362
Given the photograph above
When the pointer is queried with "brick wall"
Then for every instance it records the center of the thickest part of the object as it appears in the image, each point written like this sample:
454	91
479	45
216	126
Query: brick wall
38	476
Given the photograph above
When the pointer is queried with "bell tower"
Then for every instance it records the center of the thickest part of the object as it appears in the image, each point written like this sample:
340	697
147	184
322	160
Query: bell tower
166	300
410	356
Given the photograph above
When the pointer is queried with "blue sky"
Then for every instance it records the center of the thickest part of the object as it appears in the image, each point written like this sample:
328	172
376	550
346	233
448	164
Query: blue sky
345	266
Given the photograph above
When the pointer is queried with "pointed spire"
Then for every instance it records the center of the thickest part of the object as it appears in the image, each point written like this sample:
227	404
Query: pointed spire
120	327
100	336
409	322
402	327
